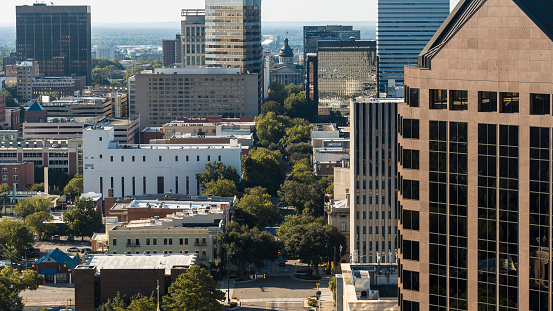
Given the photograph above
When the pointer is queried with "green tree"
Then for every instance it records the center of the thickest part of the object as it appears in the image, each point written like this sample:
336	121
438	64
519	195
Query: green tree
12	283
257	204
81	218
103	62
305	198
332	286
132	71
15	237
117	303
74	186
194	290
293	89
273	106
10	102
313	243
30	206
214	171
264	168
37	223
271	128
220	187
277	92
5	188
302	148
300	131
303	172
37	187
140	302
247	245
296	106
295	220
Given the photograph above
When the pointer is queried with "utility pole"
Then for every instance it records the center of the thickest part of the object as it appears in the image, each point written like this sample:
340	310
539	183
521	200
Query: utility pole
334	264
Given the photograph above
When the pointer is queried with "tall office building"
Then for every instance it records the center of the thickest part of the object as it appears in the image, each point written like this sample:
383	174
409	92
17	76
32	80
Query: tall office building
312	35
172	53
56	37
233	37
475	175
346	69
193	38
373	170
403	30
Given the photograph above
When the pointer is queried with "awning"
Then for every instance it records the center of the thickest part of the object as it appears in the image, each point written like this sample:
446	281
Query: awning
48	271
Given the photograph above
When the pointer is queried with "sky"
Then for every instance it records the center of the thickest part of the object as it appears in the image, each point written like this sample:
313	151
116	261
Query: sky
128	11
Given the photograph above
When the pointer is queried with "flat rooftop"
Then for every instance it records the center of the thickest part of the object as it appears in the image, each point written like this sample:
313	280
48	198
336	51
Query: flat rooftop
139	262
324	127
197	206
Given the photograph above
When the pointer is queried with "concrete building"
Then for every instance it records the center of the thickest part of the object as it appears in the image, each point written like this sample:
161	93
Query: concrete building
101	277
126	130
64	86
193	38
312	35
373	168
25	72
55	154
74	107
204	128
403	29
56	37
105	51
171	92
331	149
172	52
2	110
478	117
12	119
285	71
346	69
8	135
10	59
18	174
170	168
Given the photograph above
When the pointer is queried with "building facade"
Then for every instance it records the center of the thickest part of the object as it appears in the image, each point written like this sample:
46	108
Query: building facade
56	37
64	86
312	35
373	233
161	97
20	175
403	29
346	69
170	168
25	72
476	130
172	52
74	107
193	38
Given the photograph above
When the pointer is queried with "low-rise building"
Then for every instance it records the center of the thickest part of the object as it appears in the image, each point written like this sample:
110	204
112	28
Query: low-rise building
9	135
73	107
129	169
331	148
64	86
12	119
20	175
2	109
102	277
56	266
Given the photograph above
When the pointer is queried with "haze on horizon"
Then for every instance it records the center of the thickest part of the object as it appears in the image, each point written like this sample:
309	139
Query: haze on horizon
126	11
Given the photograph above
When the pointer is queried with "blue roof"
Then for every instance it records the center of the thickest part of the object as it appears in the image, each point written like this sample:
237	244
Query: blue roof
35	107
60	257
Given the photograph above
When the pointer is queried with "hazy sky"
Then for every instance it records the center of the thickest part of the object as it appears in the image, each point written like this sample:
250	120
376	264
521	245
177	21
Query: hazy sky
114	11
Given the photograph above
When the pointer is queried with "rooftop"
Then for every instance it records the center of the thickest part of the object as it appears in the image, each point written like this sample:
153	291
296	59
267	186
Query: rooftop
139	262
324	127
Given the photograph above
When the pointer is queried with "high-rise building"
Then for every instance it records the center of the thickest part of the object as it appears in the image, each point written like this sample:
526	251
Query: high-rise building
373	168
11	59
312	82
403	29
346	69
475	142
193	38
57	37
25	72
312	35
233	37
172	51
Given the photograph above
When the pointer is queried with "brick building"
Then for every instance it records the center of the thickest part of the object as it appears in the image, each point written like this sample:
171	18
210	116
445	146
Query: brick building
56	266
20	174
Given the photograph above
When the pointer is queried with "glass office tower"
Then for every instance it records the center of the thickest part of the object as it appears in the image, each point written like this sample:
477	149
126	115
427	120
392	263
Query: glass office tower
403	30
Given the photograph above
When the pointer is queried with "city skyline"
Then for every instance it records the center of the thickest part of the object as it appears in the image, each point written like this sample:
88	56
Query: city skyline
285	10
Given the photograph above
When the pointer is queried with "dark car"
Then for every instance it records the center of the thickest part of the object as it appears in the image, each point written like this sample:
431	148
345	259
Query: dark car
86	250
32	253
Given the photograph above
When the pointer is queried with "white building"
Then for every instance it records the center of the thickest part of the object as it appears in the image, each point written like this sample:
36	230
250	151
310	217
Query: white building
149	169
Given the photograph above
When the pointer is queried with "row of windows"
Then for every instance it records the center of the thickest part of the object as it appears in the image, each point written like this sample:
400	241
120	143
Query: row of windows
5	178
160	158
166	241
14	170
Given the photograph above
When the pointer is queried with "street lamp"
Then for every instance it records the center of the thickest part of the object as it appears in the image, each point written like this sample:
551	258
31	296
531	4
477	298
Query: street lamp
228	282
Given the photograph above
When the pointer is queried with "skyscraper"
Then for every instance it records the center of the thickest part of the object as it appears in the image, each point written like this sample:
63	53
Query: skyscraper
172	51
233	36
56	37
193	38
312	35
373	168
475	176
403	29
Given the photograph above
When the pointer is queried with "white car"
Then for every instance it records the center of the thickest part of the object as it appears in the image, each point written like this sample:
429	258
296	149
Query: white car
73	249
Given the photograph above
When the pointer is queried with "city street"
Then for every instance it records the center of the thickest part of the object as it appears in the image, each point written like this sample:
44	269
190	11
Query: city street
49	295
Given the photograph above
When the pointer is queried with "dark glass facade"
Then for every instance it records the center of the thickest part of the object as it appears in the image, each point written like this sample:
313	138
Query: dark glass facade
312	35
57	37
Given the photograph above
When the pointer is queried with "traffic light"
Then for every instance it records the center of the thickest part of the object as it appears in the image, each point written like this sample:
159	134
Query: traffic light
279	252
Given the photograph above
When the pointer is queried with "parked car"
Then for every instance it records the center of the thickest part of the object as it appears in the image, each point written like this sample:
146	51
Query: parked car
86	249
73	249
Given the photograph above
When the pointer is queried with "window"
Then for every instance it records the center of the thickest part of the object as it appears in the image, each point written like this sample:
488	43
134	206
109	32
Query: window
100	138
101	156
137	242
114	242
410	250
187	158
438	99
147	241
410	128
487	101
122	159
154	241
509	102
160	157
143	158
410	220
414	97
459	100
219	158
410	280
170	241
410	305
15	170
176	158
410	159
204	242
208	158
160	185
181	241
164	241
15	178
540	104
4	170
111	158
344	226
197	242
129	242
185	241
198	158
410	188
132	158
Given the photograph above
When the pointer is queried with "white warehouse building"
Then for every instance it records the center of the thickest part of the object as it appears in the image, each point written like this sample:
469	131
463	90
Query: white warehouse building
149	169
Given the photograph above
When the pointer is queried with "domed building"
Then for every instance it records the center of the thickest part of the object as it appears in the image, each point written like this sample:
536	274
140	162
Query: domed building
286	72
286	55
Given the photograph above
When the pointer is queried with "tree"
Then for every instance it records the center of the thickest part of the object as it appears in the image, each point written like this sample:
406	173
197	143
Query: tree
263	168
294	220
303	172
116	303
293	89
15	237
30	206
313	243
12	283
305	198
5	188
217	170
140	302
302	148
37	222
273	106
296	106
132	71
81	218
332	286
193	290
247	245
220	187
37	187
74	186
298	133
271	128
257	203
277	92
10	102
103	62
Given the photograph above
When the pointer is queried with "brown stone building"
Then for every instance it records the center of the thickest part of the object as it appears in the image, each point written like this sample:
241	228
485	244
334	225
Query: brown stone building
474	166
103	276
22	174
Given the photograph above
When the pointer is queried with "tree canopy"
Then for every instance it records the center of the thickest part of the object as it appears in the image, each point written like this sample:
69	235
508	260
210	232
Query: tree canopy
194	290
75	186
10	102
12	283
15	237
220	187
256	203
264	168
30	206
81	218
214	171
38	223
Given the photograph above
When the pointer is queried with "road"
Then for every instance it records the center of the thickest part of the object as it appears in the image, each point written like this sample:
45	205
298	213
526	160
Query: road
49	295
